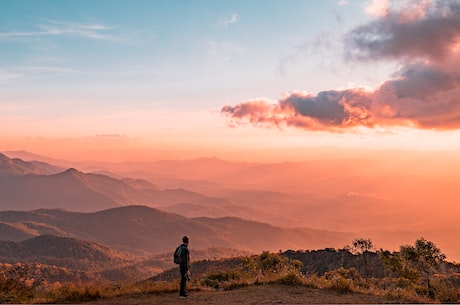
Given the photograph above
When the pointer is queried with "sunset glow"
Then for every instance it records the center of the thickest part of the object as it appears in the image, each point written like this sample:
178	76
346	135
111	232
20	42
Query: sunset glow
133	83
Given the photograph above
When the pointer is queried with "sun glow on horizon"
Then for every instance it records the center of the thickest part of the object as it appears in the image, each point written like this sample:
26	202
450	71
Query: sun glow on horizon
242	144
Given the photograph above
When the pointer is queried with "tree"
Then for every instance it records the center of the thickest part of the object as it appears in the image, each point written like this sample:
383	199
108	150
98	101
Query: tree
362	246
424	256
417	262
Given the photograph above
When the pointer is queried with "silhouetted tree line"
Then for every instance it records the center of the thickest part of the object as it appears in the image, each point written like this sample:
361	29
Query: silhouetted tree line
318	262
413	262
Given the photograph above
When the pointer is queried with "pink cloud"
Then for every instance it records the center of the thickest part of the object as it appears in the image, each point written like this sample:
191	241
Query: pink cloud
424	93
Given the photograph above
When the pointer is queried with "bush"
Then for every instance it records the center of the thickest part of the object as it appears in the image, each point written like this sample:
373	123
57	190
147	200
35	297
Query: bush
443	292
216	279
270	262
342	280
290	279
17	285
74	294
140	288
341	285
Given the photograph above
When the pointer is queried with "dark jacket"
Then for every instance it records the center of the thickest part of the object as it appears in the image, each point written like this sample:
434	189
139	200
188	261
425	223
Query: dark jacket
185	263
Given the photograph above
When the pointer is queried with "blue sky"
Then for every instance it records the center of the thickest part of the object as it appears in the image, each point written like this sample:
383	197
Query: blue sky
138	68
205	49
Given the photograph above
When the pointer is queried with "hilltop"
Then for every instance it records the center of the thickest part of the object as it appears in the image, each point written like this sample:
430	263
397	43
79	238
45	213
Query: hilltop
383	276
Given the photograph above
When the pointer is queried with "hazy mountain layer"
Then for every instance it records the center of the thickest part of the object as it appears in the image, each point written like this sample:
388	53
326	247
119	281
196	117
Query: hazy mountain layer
392	197
142	230
25	186
63	252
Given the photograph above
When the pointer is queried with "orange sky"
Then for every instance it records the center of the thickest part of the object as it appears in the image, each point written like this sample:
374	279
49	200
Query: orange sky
81	83
240	144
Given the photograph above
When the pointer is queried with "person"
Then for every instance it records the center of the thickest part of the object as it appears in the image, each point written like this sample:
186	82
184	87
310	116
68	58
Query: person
184	267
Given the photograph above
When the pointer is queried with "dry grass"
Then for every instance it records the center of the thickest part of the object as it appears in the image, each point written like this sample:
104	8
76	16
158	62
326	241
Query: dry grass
264	279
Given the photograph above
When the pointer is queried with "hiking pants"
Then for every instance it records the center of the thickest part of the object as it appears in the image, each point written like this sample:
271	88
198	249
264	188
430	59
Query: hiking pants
183	280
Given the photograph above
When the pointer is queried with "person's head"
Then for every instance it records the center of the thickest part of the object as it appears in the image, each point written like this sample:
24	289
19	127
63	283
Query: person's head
185	239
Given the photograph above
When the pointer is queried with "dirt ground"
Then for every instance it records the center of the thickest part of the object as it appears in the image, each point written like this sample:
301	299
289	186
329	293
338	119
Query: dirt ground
253	295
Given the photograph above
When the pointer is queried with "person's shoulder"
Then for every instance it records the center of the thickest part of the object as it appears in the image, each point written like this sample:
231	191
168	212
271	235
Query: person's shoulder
184	247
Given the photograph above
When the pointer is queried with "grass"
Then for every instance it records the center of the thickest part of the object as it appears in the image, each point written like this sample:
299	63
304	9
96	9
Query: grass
265	269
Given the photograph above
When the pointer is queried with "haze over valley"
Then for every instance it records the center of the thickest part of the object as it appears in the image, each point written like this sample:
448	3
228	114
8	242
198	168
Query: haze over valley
310	205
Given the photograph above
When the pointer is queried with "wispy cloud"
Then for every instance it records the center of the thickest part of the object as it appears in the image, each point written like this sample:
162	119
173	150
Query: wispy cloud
232	19
321	44
60	28
424	36
8	74
342	2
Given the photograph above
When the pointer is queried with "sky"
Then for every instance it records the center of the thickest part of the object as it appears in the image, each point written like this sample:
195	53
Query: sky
146	79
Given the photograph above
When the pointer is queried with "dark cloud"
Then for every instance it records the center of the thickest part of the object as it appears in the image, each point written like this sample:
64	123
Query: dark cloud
421	81
424	93
332	110
405	34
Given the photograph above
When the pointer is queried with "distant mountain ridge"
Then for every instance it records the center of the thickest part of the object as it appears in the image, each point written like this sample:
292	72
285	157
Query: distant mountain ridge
141	230
104	210
30	186
16	166
62	252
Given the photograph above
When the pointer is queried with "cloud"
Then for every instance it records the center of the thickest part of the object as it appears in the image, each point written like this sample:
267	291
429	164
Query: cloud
111	136
10	74
232	19
58	28
377	8
7	76
424	36
342	2
329	110
421	29
317	45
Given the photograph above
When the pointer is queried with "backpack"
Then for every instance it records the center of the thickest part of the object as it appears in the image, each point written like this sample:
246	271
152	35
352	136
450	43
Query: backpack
178	255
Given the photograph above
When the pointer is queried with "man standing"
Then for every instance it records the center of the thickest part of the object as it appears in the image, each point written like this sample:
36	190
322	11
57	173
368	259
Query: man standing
184	267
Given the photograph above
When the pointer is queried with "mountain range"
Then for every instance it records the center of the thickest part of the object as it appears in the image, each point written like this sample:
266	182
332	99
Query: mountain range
28	186
141	230
391	197
106	210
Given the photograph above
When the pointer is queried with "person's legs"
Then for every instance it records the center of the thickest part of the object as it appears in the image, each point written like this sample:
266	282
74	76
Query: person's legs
183	283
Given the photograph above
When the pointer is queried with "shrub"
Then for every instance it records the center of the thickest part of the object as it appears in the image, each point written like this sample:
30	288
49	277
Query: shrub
17	284
74	294
290	279
342	280
443	291
270	262
341	285
351	274
216	279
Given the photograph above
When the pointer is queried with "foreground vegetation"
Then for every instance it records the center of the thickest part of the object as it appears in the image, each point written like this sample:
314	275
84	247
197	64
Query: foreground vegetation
416	274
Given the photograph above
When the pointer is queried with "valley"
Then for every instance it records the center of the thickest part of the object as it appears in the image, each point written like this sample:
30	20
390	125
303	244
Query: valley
333	195
64	226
